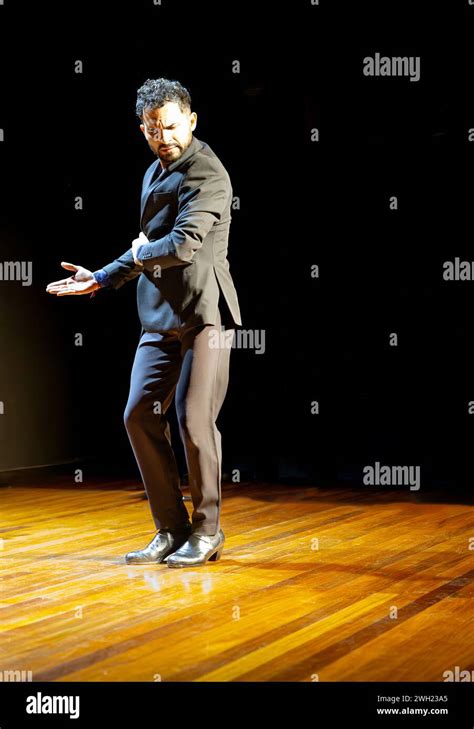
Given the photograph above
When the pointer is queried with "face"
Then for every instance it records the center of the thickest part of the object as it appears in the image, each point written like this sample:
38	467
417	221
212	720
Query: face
168	131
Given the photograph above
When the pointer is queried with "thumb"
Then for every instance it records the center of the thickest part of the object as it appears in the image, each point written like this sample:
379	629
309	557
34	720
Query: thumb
69	266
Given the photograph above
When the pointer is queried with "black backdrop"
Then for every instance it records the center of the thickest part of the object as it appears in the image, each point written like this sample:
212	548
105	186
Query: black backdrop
302	203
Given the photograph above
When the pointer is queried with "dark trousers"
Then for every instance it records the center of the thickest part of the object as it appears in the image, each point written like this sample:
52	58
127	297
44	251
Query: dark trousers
185	365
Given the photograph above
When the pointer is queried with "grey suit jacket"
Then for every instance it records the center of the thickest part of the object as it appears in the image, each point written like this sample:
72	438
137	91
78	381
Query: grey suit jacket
185	214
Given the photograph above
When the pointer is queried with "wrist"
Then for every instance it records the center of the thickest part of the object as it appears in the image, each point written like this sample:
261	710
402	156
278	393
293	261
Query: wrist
101	278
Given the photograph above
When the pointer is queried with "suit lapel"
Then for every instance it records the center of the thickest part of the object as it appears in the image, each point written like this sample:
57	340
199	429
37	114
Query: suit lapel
156	173
152	175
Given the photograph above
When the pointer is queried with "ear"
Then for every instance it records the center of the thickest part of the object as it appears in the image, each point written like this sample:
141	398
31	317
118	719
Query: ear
193	121
142	127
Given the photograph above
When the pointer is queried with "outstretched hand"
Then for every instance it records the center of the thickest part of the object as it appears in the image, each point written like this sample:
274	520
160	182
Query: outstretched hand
81	282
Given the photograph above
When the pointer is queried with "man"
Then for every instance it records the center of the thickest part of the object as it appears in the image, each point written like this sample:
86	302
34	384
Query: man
186	297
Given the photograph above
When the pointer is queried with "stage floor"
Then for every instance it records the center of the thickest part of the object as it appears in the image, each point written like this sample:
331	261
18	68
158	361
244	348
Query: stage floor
328	584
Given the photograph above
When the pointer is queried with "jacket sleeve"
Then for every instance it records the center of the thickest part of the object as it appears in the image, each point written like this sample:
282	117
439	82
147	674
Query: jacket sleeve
121	270
203	195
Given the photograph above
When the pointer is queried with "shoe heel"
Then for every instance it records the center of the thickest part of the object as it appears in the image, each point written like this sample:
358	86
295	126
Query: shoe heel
216	555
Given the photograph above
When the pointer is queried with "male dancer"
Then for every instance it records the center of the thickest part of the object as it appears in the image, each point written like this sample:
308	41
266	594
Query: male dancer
186	296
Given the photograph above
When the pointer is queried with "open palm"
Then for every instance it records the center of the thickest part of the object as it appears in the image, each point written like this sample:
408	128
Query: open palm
81	282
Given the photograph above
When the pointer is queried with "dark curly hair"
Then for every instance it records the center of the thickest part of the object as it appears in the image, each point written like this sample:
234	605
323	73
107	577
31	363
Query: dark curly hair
155	92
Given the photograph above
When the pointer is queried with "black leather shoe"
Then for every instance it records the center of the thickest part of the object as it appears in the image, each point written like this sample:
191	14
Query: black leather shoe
197	550
162	544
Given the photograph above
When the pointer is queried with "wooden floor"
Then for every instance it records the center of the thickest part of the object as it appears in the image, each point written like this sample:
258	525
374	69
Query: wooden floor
330	584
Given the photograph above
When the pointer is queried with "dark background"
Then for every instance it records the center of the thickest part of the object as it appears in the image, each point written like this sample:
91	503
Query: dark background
301	203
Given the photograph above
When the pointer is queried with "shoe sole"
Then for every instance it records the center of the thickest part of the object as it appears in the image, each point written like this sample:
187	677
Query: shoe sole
150	561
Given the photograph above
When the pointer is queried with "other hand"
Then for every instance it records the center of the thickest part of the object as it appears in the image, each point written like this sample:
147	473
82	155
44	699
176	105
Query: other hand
136	244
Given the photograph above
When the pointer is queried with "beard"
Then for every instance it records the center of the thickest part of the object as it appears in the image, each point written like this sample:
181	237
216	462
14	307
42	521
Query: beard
177	150
170	154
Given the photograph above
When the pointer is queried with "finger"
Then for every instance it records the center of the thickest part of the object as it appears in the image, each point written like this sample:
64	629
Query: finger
69	266
72	291
55	289
69	290
61	282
